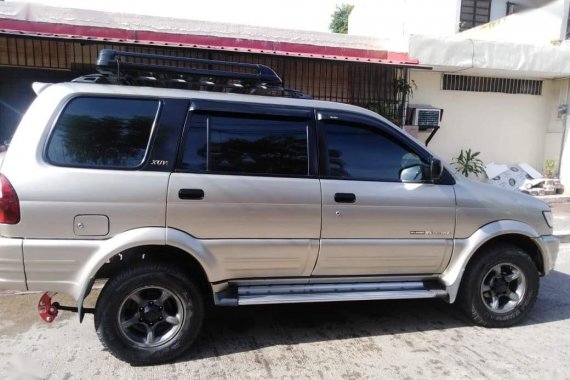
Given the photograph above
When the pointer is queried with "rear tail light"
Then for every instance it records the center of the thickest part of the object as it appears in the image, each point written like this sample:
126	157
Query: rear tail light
9	202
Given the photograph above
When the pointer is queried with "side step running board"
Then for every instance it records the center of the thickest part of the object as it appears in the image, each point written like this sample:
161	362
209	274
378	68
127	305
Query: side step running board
300	293
330	297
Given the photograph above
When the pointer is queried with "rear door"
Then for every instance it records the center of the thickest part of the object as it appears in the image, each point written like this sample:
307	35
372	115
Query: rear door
380	217
246	186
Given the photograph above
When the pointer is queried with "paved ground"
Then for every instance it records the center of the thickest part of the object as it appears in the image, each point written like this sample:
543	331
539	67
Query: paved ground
399	339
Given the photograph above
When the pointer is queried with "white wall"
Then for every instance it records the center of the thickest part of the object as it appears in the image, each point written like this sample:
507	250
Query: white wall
540	25
554	128
398	19
564	96
505	128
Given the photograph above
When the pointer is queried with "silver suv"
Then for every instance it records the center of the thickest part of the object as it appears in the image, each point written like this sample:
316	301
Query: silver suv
179	197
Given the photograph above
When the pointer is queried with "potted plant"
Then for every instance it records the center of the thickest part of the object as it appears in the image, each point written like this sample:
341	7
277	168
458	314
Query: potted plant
468	163
549	166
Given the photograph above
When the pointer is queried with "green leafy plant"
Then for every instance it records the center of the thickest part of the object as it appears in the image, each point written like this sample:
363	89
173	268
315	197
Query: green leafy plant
388	110
468	163
404	90
339	19
402	86
549	166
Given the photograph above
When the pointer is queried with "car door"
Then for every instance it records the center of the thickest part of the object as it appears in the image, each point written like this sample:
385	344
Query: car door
380	216
246	187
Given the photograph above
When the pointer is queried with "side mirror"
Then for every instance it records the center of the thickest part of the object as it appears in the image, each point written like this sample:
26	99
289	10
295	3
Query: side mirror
411	173
435	169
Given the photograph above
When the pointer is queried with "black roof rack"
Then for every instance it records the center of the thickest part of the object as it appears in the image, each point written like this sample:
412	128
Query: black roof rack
140	69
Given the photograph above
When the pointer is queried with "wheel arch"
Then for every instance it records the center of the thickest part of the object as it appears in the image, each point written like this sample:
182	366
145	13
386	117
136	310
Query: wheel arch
525	243
499	232
145	244
155	253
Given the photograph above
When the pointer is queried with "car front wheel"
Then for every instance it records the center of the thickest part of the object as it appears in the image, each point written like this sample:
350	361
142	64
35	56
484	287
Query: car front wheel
499	287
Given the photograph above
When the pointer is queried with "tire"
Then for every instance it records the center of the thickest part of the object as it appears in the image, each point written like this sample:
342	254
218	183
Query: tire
153	297
494	299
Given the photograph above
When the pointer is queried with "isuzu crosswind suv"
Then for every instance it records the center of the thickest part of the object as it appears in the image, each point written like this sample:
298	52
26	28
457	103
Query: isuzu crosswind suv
178	197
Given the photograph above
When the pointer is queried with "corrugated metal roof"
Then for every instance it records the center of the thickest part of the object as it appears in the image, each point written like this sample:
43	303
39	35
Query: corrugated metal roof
88	25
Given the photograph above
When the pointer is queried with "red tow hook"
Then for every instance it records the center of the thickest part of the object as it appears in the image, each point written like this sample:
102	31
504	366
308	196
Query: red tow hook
47	310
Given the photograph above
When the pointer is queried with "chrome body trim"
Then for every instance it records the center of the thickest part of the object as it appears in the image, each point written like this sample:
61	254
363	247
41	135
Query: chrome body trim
331	297
326	288
328	280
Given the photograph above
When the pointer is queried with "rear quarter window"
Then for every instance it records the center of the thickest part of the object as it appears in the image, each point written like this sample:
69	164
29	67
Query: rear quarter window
109	133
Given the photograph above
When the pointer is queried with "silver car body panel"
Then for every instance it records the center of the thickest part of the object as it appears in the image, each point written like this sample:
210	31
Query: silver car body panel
246	207
67	266
52	196
49	211
388	210
225	259
77	261
251	258
391	228
350	257
12	265
479	204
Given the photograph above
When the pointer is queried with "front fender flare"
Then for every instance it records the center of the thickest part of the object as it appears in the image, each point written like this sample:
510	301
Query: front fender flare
464	249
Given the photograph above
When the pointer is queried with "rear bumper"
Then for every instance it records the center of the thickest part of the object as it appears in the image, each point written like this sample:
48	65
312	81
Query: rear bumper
12	275
549	246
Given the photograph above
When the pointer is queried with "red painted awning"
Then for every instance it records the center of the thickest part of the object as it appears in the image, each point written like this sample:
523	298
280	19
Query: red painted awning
146	37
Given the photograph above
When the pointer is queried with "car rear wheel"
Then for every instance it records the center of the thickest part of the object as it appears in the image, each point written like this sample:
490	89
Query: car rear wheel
148	314
499	287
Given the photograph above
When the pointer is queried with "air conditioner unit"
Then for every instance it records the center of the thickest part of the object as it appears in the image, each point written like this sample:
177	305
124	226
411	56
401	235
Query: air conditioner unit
424	116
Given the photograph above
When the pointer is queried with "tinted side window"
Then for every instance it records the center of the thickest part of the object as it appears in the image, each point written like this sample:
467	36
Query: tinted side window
244	145
103	133
359	152
194	155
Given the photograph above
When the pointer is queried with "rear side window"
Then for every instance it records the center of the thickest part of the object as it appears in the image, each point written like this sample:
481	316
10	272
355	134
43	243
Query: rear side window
243	145
108	133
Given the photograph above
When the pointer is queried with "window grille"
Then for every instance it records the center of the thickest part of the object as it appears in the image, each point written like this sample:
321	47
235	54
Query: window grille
454	82
474	13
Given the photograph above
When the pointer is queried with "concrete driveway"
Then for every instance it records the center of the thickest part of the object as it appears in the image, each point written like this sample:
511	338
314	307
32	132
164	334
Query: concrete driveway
392	339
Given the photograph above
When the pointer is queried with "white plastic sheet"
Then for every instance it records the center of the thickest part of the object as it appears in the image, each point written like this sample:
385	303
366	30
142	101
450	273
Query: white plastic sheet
513	177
